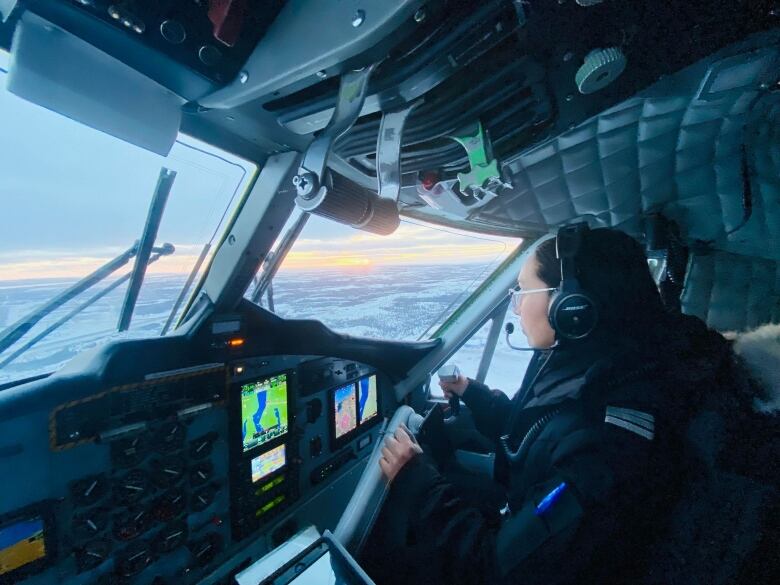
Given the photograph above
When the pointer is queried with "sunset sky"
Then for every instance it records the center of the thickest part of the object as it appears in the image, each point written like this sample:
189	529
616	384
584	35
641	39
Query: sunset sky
73	198
412	243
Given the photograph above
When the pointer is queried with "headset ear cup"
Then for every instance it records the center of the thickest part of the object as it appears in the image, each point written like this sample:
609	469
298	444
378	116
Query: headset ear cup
572	315
551	310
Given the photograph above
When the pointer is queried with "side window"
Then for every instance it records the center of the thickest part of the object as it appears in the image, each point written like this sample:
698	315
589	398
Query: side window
506	366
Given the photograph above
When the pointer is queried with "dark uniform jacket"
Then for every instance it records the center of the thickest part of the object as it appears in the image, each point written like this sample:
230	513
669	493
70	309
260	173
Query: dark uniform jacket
592	464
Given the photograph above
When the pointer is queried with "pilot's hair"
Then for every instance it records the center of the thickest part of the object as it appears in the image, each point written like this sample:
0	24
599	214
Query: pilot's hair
612	268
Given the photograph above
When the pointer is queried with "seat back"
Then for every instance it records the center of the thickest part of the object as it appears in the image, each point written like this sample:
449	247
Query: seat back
722	527
760	352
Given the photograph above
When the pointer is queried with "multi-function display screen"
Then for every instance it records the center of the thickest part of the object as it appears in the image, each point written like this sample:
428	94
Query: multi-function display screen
265	464
354	404
21	543
345	409
263	411
367	398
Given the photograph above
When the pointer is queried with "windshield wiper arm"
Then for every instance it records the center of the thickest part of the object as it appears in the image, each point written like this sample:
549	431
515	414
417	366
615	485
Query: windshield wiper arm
153	219
18	329
273	263
165	250
186	288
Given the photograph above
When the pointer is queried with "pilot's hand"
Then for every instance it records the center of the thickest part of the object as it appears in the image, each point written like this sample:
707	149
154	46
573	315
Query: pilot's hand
457	388
397	452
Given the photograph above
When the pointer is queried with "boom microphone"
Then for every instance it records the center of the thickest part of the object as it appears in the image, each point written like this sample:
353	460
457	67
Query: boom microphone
510	328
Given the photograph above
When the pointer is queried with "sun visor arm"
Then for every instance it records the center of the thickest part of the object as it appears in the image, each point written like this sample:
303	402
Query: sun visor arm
57	70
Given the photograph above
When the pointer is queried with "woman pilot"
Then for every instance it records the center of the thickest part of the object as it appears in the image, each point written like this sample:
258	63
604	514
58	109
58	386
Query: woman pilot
589	451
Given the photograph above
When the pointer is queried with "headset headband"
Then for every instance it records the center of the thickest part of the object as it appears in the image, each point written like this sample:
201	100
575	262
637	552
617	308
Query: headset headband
572	313
567	245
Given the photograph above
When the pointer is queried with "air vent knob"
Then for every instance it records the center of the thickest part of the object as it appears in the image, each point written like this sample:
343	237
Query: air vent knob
601	67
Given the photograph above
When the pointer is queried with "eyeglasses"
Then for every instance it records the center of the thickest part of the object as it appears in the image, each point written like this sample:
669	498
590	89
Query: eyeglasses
516	292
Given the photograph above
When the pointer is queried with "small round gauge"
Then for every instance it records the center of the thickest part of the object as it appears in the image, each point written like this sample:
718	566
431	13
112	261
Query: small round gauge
205	549
169	437
170	538
201	473
89	524
128	452
134	559
204	497
169	505
129	525
131	487
89	490
167	472
93	554
201	447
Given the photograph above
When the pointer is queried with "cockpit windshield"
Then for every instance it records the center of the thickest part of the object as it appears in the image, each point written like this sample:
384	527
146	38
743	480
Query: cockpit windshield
400	287
74	200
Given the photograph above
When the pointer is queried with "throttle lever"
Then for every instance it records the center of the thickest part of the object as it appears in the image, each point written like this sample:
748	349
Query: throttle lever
451	373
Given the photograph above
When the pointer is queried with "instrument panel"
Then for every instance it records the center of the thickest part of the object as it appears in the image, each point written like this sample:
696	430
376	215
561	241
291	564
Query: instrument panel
164	479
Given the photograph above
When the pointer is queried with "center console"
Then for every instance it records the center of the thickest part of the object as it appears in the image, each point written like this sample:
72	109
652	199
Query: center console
306	559
264	454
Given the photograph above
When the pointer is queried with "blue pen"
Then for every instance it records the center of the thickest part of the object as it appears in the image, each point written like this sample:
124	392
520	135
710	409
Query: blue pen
550	499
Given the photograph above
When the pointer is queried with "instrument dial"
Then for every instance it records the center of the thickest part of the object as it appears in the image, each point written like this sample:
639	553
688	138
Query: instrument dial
205	549
201	473
170	537
201	447
90	523
131	487
170	437
93	554
134	559
129	525
89	490
204	497
167	472
128	452
169	505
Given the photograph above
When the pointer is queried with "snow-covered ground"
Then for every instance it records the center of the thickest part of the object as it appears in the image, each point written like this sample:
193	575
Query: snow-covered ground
391	302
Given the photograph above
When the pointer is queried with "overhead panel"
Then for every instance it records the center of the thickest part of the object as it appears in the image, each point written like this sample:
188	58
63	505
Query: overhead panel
311	40
695	146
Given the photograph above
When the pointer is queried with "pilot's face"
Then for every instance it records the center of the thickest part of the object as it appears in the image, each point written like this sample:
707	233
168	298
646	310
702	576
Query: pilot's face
532	308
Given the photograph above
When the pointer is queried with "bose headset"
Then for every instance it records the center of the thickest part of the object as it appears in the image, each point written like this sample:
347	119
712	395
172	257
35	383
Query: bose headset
572	313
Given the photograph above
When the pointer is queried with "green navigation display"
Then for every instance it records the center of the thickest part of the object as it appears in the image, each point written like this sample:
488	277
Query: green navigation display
263	411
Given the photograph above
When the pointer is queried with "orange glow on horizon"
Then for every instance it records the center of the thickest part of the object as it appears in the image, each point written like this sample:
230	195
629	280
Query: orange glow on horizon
81	266
392	256
359	252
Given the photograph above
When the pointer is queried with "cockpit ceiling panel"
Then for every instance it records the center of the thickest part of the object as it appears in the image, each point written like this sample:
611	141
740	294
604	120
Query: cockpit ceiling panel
675	148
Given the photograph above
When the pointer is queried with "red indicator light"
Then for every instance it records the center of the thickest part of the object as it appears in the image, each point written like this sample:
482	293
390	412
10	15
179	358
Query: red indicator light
236	342
429	179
